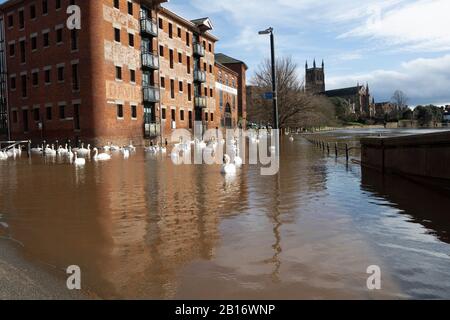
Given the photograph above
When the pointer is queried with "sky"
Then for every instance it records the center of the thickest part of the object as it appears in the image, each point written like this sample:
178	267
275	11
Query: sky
391	44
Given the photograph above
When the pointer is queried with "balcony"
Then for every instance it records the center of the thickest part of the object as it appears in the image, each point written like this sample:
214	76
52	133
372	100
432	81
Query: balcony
199	76
151	94
152	130
149	27
200	102
150	61
199	50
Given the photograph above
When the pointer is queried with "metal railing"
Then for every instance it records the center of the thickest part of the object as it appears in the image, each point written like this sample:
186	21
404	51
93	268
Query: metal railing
150	60
199	50
334	147
149	26
200	102
151	94
14	144
199	76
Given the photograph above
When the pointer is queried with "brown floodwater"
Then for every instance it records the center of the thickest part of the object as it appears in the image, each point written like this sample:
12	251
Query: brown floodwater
146	228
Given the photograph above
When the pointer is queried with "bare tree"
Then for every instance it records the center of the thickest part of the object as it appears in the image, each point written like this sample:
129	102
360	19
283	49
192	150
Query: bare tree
296	107
399	99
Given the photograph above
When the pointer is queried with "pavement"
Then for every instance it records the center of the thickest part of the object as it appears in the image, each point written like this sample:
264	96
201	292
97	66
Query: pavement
23	280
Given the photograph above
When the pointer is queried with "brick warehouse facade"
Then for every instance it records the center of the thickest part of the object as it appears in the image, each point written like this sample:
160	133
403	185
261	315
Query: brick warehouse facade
135	70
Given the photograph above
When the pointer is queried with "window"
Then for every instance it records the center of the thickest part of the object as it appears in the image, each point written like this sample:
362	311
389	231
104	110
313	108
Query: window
210	47
14	116
130	8
204	67
133	112
161	51
33	43
118	73
188	64
10	21
179	32
211	93
23	79
160	23
62	112
172	88
59	36
189	92
35	78
48	113
74	39
171	58
163	82
180	57
47	76
210	68
117	4
21	20
75	81
182	115
212	117
58	4
131	40
22	51
206	92
25	120
44	7
13	82
116	35
46	39
180	86
12	50
32	12
61	74
206	116
132	75
120	111
163	113
173	115
188	39
36	115
170	31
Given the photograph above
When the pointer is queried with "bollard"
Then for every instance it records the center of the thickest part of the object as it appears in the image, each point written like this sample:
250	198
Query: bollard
29	149
346	152
336	149
328	148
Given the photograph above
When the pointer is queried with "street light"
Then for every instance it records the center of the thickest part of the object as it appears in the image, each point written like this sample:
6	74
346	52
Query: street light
274	78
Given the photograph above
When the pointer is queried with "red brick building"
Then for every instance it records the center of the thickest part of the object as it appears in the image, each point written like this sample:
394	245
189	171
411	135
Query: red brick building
226	97
134	70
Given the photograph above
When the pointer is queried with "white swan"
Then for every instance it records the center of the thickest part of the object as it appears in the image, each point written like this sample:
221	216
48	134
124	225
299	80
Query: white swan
131	147
3	155
38	149
79	161
227	167
70	154
126	153
113	147
291	139
50	151
84	152
101	156
237	159
151	149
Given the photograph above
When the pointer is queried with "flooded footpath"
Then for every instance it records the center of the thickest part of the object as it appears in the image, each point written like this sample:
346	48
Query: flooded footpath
145	228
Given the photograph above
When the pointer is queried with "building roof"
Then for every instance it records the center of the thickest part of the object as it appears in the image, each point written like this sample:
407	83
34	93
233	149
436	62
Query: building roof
343	92
224	59
221	66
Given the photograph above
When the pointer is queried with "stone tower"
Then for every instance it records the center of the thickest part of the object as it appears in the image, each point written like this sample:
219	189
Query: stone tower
315	78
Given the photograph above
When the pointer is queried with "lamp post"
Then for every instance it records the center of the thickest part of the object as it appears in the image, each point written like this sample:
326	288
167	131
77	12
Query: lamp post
274	77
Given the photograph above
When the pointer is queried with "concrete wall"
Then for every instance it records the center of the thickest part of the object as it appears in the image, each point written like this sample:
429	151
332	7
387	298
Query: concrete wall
425	156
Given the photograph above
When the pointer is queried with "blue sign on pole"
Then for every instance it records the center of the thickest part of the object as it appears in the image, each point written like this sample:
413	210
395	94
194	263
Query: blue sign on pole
268	96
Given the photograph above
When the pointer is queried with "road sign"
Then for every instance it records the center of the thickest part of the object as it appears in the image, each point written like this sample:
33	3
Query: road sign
268	96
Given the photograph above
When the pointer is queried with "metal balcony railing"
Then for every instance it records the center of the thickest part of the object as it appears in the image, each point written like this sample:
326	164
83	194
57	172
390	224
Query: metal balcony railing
150	61
199	50
149	27
151	94
200	102
199	76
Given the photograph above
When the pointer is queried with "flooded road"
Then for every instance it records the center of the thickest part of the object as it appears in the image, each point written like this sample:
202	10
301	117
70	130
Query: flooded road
145	228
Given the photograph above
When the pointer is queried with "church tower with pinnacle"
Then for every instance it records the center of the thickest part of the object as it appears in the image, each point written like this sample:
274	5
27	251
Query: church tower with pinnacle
315	78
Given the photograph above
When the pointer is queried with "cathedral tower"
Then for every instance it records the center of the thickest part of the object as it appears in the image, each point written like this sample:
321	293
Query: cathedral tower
315	78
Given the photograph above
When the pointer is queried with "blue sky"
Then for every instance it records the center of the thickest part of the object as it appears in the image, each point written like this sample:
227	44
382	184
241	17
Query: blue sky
392	44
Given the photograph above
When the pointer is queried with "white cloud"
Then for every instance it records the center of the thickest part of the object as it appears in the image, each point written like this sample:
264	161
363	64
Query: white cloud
423	80
416	26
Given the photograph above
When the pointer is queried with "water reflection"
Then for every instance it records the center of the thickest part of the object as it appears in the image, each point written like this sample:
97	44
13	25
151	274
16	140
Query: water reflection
425	205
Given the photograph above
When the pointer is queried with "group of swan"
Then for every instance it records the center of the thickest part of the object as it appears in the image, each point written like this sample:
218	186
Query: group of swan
11	153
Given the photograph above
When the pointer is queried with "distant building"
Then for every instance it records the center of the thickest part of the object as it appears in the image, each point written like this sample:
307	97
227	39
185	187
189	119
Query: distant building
358	97
383	108
315	78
